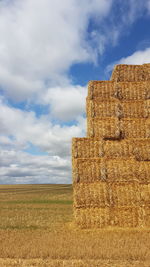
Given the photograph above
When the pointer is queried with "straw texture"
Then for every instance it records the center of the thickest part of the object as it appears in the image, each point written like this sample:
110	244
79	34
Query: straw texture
114	128
102	128
110	170
120	109
111	166
121	90
131	73
138	148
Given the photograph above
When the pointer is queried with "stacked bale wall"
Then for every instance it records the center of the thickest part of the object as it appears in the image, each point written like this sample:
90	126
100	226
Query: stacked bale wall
111	166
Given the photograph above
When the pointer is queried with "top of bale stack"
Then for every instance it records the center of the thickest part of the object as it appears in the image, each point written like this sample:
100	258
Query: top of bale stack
131	73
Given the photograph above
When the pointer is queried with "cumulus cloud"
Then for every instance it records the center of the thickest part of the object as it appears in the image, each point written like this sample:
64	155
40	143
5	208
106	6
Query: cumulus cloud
26	168
40	40
24	127
21	131
66	103
138	57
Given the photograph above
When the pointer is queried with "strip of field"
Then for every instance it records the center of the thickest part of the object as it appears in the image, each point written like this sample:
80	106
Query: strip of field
36	226
71	263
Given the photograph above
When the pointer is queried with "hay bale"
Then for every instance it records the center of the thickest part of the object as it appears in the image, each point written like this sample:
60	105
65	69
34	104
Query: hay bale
138	148
135	127
103	129
92	217
114	128
146	216
115	108
102	89
122	170
125	216
105	90
93	148
128	170
125	194
87	148
87	170
104	194
91	170
118	149
144	194
91	195
135	109
101	109
141	149
131	73
143	173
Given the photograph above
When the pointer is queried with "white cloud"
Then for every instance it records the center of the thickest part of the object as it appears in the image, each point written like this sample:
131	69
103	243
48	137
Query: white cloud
66	103
26	168
19	129
25	127
41	39
138	57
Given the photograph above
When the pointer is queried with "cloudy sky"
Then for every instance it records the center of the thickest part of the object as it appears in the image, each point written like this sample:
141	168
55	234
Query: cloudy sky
49	50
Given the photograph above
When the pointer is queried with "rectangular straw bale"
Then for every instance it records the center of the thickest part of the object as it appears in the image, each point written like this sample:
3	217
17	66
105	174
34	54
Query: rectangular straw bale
130	73
91	195
145	193
141	149
127	170
132	90
105	90
122	170
87	148
147	108
137	148
103	128
87	170
102	89
146	216
118	148
100	108
115	108
92	217
125	216
143	174
135	109
113	170
125	194
135	128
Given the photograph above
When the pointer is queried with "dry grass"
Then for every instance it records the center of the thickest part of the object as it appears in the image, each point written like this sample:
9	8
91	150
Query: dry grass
36	222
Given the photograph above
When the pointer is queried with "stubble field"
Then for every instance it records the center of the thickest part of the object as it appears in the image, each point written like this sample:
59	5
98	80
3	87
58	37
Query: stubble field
36	229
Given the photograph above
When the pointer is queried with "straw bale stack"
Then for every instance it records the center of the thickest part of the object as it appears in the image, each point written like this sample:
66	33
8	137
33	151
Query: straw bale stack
111	166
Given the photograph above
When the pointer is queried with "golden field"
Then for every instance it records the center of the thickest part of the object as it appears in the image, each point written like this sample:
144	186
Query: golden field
36	229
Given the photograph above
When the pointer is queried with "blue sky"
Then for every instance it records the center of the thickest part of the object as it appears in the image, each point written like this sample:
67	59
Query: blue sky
49	50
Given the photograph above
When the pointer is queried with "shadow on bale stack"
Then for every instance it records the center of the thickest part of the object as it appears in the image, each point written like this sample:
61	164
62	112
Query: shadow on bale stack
111	166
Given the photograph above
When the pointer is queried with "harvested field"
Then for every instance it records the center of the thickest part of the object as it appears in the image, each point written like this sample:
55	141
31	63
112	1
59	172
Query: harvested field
36	229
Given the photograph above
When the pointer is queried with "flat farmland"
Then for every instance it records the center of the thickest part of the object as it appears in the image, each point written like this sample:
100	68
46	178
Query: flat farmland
36	229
